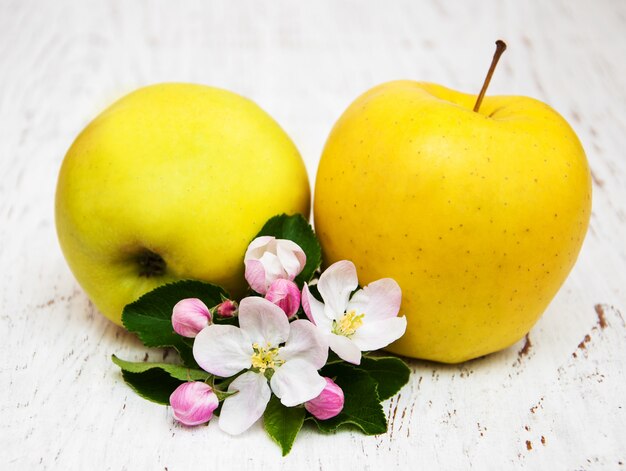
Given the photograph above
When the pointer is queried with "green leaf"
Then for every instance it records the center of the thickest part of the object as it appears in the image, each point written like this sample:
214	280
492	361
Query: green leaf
297	229
156	381
283	423
390	374
362	408
150	317
154	385
175	371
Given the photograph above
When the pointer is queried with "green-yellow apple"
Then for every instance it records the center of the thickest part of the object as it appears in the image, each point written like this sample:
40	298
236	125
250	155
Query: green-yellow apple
172	182
479	215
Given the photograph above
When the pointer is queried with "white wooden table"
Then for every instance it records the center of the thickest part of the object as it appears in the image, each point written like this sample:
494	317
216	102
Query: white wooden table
555	402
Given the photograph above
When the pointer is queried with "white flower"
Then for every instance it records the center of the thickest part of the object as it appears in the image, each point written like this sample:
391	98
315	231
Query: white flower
257	345
268	259
366	321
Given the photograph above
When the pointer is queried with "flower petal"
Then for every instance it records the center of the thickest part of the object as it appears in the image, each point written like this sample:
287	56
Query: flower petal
291	257
375	335
263	321
273	268
379	300
335	286
243	409
305	343
223	350
345	348
255	275
286	295
262	264
314	310
296	382
257	247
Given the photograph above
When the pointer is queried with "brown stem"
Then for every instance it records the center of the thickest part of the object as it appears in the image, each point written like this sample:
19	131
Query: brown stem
500	48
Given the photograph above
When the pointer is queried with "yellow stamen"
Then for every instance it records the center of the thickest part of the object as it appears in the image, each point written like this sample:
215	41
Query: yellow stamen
264	358
348	324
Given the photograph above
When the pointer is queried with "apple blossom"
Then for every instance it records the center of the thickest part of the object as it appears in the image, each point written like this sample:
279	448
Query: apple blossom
328	404
286	295
268	259
366	321
270	349
193	403
227	308
190	316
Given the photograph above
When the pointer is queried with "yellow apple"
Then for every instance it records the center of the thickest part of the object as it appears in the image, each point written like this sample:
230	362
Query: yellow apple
172	182
479	216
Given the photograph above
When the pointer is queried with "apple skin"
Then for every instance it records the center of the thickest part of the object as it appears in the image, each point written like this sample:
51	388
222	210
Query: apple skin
478	216
184	172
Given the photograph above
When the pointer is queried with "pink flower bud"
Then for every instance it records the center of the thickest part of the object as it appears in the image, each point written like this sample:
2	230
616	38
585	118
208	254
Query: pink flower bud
190	316
269	259
286	295
193	403
227	309
328	404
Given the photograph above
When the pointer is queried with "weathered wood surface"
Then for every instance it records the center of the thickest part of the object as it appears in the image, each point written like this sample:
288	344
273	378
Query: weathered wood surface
554	401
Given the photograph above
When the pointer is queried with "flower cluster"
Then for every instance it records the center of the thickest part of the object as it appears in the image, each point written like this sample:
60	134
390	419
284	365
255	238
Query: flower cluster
297	347
272	350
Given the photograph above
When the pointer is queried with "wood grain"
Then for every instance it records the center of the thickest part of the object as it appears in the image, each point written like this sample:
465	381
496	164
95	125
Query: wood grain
555	400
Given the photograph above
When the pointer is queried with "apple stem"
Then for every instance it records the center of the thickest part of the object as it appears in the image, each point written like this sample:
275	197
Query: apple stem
500	48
